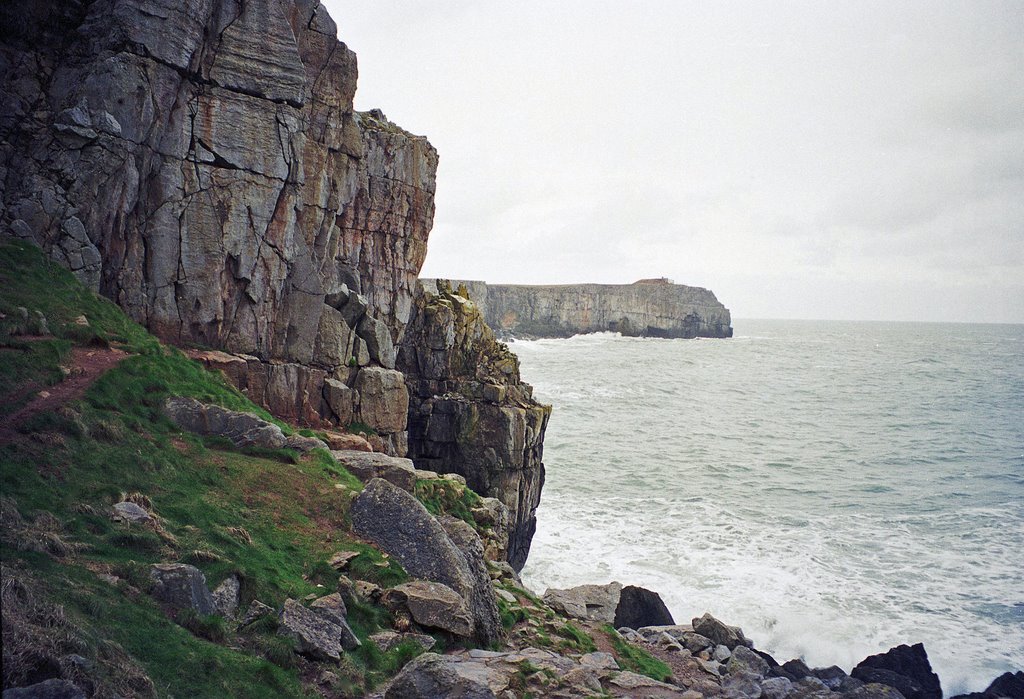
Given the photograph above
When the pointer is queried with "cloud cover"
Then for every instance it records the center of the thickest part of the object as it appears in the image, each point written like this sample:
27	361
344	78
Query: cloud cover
801	159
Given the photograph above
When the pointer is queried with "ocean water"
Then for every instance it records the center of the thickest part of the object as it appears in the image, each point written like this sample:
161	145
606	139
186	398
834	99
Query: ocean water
834	488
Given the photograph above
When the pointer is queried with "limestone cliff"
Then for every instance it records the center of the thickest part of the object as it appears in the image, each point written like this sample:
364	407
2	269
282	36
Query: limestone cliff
469	413
647	308
201	163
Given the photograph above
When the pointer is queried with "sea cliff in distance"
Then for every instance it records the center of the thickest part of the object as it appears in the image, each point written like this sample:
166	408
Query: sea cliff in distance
646	308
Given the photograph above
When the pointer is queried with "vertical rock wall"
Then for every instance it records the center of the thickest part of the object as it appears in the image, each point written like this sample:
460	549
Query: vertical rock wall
469	413
200	162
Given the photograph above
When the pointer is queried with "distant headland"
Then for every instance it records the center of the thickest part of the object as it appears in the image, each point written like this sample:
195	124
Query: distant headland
645	308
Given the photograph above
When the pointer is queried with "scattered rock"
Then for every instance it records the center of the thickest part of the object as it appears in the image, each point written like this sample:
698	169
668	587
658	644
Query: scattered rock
719	633
316	634
129	512
181	586
632	680
340	560
256	610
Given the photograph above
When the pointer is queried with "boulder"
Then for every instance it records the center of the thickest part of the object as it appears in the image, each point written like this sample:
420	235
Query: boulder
225	596
368	465
639	606
832	676
303	444
873	691
904	667
1008	684
433	605
243	429
181	586
591	602
482	601
315	632
720	633
342	441
775	688
743	660
399	524
432	675
129	512
331	606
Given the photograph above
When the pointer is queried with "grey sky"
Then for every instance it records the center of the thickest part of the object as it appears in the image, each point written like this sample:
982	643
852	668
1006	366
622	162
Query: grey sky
860	160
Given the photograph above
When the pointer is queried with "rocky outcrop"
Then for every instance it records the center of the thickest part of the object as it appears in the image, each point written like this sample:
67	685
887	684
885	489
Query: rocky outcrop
428	549
469	412
904	667
647	308
201	164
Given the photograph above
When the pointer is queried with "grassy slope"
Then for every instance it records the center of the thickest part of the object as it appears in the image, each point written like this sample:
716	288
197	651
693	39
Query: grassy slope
271	518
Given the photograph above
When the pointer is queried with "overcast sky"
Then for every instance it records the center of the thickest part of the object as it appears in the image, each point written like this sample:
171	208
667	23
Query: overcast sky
842	160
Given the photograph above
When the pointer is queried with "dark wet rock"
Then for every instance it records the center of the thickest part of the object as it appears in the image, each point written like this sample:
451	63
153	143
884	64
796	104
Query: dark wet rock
743	660
832	676
873	691
904	667
639	606
795	669
181	586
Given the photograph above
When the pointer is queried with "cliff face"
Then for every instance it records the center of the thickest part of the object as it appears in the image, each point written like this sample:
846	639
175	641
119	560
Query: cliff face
469	413
200	163
649	308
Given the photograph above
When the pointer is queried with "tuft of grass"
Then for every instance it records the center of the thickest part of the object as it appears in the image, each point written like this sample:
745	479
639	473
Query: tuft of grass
510	614
443	496
636	659
211	627
576	638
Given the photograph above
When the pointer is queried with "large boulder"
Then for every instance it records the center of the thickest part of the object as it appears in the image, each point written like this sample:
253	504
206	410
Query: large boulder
399	524
433	605
590	602
366	466
181	586
243	429
482	600
904	667
432	675
640	607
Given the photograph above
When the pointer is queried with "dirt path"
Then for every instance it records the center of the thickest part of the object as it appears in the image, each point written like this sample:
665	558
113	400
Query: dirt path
87	364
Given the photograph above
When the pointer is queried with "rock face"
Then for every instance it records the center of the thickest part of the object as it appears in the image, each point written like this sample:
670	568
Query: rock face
469	413
647	308
201	164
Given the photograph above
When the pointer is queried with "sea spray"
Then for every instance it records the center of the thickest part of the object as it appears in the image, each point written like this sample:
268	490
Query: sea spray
833	488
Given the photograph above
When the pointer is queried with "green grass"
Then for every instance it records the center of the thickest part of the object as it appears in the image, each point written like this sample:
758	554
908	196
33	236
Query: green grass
576	639
271	517
443	496
636	659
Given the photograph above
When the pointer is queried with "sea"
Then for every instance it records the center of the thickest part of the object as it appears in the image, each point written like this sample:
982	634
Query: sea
833	488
